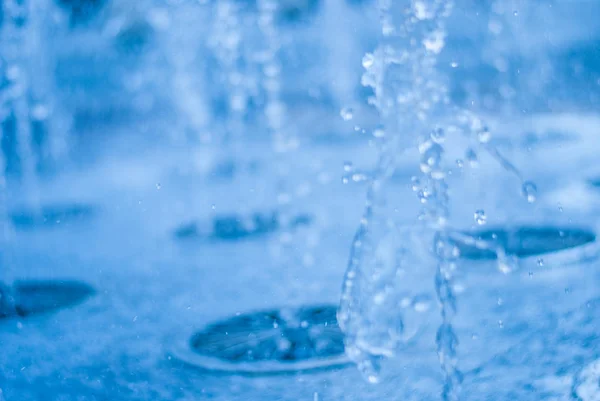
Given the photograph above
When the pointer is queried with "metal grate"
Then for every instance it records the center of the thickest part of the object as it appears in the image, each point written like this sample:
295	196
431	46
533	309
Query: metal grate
522	241
50	215
25	298
236	228
269	342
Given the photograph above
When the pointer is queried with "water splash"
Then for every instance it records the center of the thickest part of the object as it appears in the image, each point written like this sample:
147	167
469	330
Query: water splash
408	92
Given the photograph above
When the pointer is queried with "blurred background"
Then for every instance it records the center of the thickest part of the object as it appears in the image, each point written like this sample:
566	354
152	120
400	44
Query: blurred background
182	181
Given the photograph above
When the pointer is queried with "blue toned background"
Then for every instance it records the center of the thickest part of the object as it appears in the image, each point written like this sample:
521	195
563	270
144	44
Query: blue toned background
140	203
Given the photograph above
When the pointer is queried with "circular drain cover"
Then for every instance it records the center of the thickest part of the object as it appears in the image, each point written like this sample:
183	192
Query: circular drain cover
50	215
269	342
26	298
236	227
522	242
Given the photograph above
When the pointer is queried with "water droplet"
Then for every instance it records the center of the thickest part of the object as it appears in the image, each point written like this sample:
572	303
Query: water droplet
484	135
158	185
431	157
347	113
471	157
530	274
454	64
415	184
438	135
213	206
379	133
480	217
348	167
500	324
540	262
359	177
516	13
435	41
368	60
529	191
460	163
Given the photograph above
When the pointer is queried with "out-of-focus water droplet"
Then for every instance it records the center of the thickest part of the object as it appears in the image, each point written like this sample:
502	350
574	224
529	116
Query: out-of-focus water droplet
158	186
516	13
379	133
471	158
435	42
540	262
359	177
415	183
347	113
530	274
454	64
431	157
529	191
460	163
500	324
213	206
484	135
560	208
348	167
480	217
438	135
368	60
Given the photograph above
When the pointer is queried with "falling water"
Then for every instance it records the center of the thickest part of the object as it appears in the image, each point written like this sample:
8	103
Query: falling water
415	111
340	41
46	21
408	92
17	36
188	84
226	42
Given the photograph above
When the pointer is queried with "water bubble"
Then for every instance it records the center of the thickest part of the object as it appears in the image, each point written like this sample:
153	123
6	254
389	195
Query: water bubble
529	191
347	113
480	217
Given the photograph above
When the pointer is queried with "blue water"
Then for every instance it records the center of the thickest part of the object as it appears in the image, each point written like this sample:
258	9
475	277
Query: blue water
175	230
